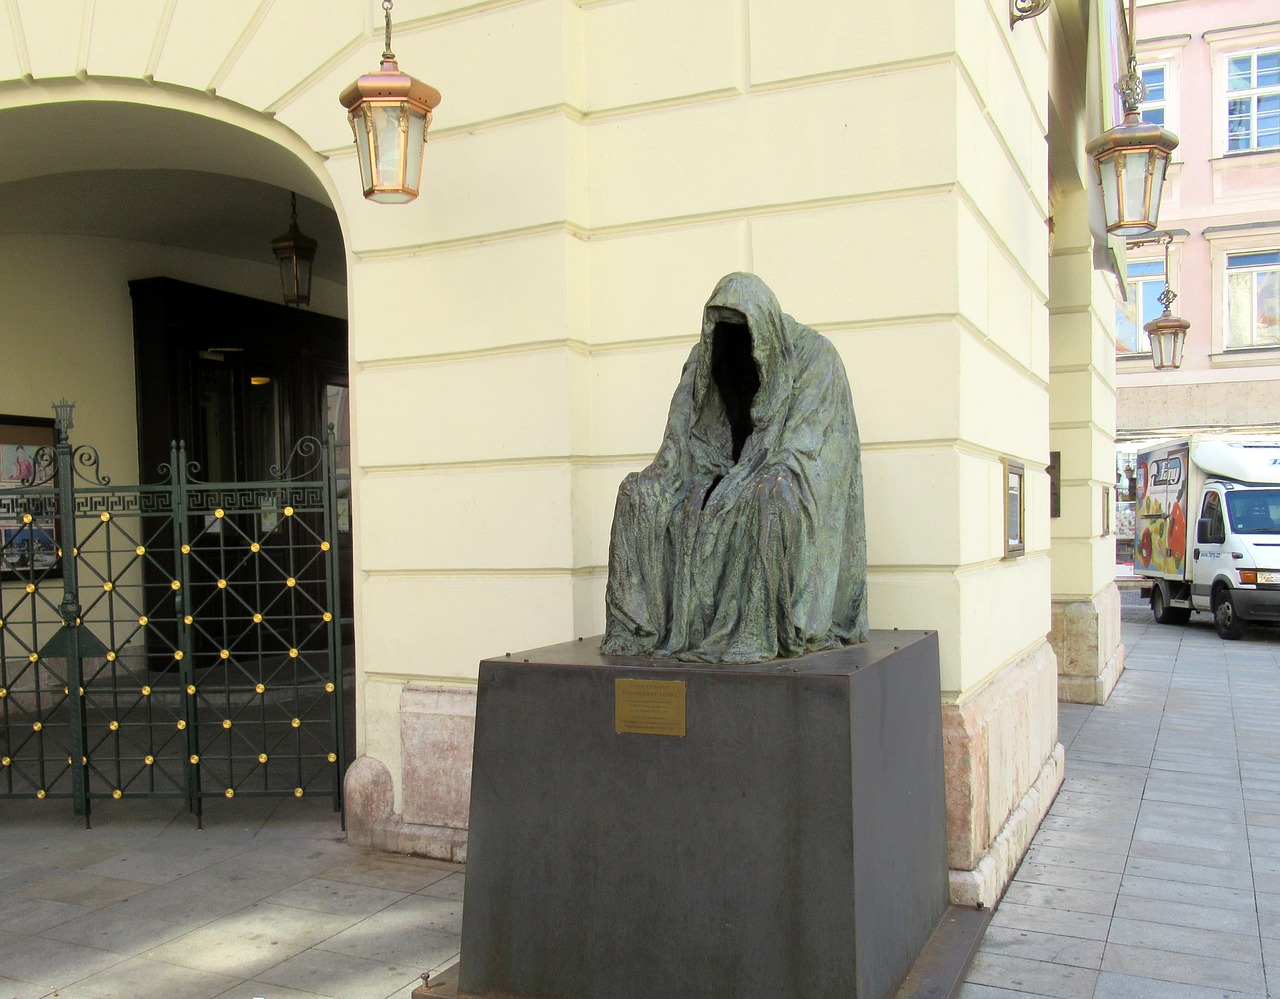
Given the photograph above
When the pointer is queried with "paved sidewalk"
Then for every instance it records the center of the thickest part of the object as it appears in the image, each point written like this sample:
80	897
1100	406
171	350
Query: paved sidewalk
266	900
1156	874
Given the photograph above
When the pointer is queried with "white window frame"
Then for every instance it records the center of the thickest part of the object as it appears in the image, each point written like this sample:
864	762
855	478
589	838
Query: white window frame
1222	245
1164	103
1225	43
1253	298
1133	290
1252	94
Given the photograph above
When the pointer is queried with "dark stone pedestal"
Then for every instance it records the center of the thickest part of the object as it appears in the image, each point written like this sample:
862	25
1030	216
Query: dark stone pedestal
791	844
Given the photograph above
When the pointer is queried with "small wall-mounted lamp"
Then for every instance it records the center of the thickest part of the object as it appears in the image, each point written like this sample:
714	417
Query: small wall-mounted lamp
1132	158
295	252
390	113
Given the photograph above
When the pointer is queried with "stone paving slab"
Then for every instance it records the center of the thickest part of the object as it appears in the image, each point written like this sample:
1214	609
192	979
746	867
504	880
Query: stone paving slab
1156	874
266	901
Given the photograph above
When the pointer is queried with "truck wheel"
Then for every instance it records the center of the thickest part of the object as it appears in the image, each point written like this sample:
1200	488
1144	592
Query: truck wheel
1226	621
1161	611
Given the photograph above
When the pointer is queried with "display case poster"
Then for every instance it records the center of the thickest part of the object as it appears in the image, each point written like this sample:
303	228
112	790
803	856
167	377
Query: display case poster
1160	531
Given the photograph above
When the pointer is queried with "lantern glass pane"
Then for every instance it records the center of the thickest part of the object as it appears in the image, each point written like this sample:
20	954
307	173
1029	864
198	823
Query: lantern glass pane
413	151
360	126
388	137
1110	198
1135	188
1158	165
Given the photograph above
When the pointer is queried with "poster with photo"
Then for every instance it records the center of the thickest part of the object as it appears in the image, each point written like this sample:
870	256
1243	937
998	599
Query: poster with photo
28	547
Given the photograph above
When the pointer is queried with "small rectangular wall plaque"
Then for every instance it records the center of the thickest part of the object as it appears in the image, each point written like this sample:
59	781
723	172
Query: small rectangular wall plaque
649	707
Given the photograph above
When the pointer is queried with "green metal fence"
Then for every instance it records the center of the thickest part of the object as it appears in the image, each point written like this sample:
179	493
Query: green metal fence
180	639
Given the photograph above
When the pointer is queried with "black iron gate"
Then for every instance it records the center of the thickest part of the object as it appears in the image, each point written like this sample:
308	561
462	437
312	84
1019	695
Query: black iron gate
180	639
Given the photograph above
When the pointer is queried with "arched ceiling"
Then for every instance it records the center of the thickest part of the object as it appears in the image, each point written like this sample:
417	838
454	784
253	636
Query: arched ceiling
135	171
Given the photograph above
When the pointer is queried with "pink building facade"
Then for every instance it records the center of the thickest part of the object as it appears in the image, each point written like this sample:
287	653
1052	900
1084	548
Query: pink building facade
1212	69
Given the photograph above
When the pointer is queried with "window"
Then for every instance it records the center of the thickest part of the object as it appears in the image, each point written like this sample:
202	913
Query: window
1153	106
1253	299
1144	285
1253	101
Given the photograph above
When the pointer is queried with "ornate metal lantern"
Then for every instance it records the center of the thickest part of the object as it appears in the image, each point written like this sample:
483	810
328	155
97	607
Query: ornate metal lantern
295	252
1132	159
1168	333
390	113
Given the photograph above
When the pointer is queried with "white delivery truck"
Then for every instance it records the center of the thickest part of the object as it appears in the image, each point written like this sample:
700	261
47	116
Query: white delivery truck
1207	529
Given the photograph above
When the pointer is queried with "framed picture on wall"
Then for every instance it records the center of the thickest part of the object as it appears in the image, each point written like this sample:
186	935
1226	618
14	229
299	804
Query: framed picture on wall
28	529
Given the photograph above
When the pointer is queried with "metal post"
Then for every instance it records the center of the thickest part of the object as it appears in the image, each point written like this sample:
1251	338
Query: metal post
182	614
333	600
69	609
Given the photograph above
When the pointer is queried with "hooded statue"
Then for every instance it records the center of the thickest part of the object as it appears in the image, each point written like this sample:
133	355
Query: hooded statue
744	540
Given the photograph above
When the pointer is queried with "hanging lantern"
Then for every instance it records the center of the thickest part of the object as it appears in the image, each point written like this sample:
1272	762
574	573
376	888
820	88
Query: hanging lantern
390	113
1168	333
1132	158
295	252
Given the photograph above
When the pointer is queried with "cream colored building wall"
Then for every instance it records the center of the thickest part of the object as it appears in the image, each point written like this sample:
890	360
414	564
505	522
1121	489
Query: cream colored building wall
595	166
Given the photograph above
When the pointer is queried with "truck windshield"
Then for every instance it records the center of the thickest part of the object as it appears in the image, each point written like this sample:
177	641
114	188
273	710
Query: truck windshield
1254	511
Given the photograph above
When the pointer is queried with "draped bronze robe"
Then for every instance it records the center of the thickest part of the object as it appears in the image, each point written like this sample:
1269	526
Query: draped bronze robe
714	559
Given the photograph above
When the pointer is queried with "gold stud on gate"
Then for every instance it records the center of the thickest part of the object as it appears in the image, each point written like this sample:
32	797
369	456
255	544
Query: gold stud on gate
140	550
326	617
146	691
186	549
6	761
111	657
333	757
296	723
40	793
222	584
288	511
324	546
328	688
290	582
181	724
231	792
224	654
175	585
105	517
114	726
255	548
36	726
34	657
260	688
188	619
117	794
26	518
143	620
226	722
297	792
177	654
148	760
194	758
4	691
293	653
219	513
108	586
191	689
262	757
257	619
31	587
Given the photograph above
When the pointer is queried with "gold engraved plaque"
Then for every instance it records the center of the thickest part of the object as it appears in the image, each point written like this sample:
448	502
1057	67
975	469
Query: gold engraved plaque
649	707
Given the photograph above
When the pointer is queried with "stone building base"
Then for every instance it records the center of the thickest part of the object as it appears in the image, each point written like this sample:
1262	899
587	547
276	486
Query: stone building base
437	726
1004	766
1086	637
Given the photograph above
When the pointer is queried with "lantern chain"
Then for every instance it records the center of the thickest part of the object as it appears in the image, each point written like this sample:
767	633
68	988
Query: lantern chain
386	51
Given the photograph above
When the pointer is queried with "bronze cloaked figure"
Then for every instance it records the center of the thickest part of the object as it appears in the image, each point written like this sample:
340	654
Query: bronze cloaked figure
744	540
